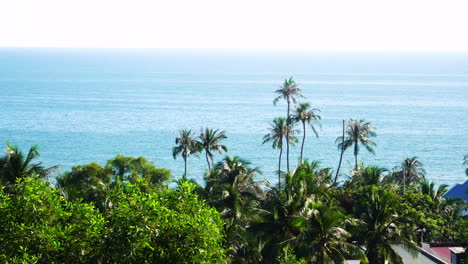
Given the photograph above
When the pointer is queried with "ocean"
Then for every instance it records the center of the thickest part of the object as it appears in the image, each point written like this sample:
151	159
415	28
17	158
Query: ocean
84	105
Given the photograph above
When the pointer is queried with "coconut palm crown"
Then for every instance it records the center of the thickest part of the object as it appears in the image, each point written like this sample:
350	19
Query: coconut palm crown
358	133
324	237
210	141
428	188
383	227
186	145
410	172
15	165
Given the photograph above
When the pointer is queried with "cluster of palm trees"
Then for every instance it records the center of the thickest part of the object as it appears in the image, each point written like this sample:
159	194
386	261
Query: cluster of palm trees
310	216
282	130
209	141
307	212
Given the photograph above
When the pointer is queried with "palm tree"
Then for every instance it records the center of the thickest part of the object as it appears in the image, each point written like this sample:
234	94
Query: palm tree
279	130
465	162
357	133
231	183
90	183
231	188
383	227
186	145
289	91
324	237
307	180
370	175
15	165
341	155
410	172
304	114
428	188
275	230
210	142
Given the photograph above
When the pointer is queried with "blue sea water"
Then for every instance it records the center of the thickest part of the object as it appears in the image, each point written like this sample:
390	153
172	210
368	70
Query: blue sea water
83	105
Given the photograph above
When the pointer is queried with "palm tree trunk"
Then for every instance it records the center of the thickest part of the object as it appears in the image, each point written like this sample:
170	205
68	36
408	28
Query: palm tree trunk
185	167
303	139
341	155
372	252
288	130
404	180
279	168
207	160
355	154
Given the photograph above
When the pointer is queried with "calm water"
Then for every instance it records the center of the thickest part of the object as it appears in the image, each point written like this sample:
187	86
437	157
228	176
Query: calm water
89	105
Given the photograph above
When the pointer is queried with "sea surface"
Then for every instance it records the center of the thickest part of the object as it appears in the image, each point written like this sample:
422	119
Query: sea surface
84	105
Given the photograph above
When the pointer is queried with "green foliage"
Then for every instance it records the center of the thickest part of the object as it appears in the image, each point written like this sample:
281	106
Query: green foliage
37	224
409	173
165	226
383	224
230	187
288	257
324	237
440	220
124	212
15	165
93	182
365	176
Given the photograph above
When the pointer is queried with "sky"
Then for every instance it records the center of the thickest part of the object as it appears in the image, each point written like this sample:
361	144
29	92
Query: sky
399	25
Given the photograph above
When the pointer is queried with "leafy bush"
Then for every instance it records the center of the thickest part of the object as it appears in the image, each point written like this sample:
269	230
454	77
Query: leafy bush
166	226
39	224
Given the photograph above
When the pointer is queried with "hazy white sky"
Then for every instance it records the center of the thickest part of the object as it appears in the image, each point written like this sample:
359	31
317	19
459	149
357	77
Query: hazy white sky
292	24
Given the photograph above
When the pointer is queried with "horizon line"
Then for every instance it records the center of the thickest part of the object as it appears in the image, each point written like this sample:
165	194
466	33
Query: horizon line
240	49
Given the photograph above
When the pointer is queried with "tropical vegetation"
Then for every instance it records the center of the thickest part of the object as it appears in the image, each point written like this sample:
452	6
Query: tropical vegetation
129	210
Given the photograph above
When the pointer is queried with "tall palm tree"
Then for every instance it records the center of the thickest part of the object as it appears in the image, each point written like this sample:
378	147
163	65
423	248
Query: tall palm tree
304	114
383	226
324	238
14	165
278	131
465	162
357	133
410	172
289	91
341	154
210	141
186	145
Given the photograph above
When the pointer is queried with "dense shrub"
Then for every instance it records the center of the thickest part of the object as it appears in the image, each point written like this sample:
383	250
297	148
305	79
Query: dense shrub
37	223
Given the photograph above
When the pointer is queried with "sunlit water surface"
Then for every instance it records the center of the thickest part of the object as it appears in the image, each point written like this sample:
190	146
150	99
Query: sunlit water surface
89	105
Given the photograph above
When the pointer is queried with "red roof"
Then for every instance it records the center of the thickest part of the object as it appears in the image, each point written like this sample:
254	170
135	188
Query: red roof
443	251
